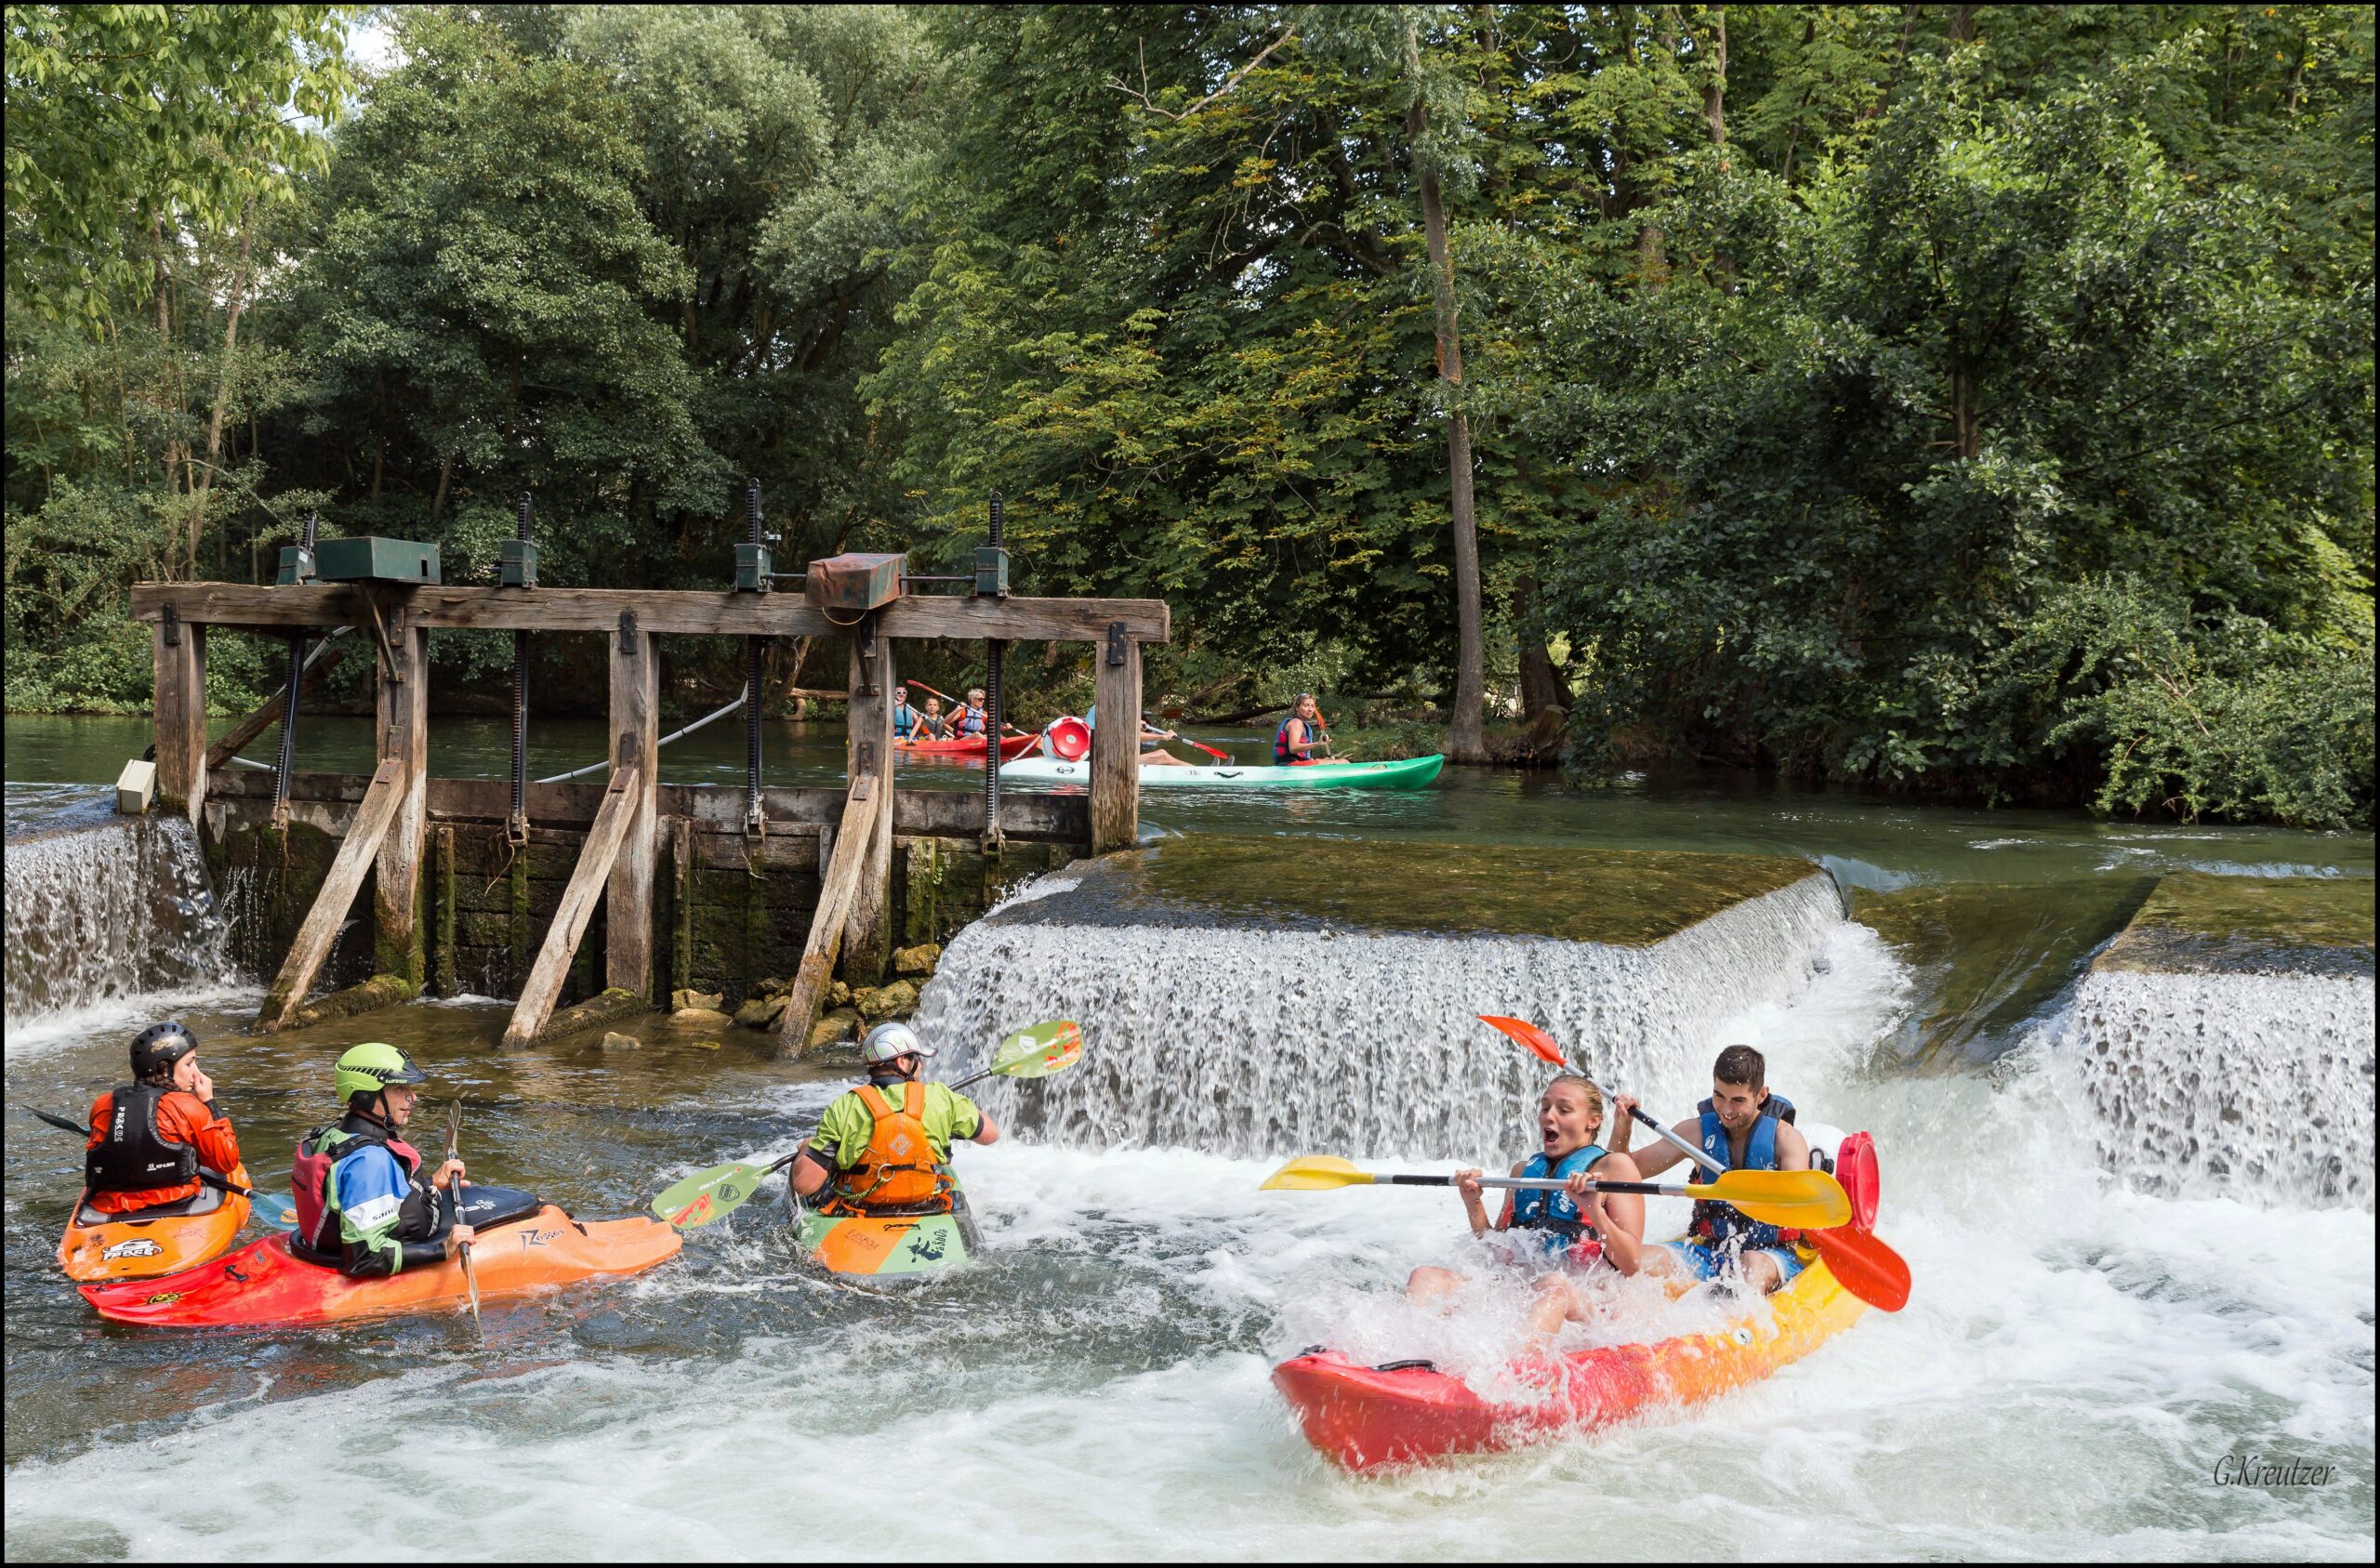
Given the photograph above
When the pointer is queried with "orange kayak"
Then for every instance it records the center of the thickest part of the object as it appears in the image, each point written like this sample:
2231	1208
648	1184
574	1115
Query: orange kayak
146	1243
262	1286
1402	1412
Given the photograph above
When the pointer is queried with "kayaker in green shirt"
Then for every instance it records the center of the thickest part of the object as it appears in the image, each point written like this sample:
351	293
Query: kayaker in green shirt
883	1148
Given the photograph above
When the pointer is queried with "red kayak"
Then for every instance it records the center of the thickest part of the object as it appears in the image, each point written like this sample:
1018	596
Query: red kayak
972	745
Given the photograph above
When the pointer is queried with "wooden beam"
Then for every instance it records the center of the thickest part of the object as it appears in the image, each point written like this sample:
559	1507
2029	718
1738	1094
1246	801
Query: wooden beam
917	813
1116	748
178	660
543	988
265	607
236	739
321	924
403	708
635	736
867	748
817	969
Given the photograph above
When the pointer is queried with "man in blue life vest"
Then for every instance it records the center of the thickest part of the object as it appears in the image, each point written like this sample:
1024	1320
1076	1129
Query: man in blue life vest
1744	1128
906	720
365	1204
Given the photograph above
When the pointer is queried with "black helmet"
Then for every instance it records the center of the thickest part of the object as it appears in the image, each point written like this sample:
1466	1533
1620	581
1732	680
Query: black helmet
159	1046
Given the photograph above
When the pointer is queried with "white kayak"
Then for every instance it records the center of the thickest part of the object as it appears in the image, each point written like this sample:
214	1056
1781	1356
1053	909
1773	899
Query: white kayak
1411	772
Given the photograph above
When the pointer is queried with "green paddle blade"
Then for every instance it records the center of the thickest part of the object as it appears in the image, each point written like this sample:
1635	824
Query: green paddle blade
708	1194
1315	1173
1809	1200
1039	1052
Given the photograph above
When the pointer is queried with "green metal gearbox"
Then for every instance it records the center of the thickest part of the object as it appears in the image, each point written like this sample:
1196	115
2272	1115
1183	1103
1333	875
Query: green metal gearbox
374	559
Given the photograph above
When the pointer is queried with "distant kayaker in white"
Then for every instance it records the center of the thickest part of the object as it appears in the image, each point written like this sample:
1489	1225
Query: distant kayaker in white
1745	1127
1153	754
1579	1232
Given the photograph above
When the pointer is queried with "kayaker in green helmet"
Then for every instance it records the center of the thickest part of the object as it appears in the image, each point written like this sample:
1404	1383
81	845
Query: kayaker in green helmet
881	1148
365	1204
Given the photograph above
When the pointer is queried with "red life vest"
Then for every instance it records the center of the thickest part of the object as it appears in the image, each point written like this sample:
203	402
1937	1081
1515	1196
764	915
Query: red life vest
310	1178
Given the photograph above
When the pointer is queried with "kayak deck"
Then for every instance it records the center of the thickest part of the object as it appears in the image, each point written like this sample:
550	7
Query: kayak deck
133	1247
1364	1417
262	1286
889	1244
1408	773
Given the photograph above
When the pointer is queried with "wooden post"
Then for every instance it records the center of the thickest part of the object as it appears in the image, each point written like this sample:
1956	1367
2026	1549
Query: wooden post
835	896
442	890
321	924
869	749
178	657
1116	746
543	988
404	711
681	901
636	737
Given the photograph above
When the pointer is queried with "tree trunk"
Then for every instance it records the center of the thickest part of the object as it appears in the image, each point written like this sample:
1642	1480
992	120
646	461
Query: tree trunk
1464	743
1541	685
237	303
1714	88
438	502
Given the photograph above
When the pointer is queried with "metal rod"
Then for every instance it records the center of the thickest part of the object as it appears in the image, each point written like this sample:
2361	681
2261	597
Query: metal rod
753	647
519	821
995	724
290	698
675	735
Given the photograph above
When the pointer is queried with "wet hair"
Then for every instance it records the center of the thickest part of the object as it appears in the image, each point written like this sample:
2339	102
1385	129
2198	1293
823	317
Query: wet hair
1594	1095
1741	1064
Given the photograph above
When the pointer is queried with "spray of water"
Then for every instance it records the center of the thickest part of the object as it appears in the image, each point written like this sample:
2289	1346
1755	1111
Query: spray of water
1239	1040
2252	1086
108	911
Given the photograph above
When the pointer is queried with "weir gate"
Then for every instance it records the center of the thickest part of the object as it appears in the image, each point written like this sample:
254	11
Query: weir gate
689	885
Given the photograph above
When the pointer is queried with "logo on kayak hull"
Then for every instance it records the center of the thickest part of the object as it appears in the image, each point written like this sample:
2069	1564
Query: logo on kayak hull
139	1246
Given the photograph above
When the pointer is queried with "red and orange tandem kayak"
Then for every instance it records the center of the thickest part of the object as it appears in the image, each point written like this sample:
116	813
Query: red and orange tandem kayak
1404	1412
972	745
263	1286
149	1242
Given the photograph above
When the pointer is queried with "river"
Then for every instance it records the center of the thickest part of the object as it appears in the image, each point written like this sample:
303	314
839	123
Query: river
2080	1354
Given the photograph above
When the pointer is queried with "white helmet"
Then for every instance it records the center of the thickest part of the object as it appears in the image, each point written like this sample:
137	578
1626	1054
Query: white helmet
889	1041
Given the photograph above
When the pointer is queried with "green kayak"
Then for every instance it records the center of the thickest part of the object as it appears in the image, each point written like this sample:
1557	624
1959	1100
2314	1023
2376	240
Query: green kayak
1411	773
884	1245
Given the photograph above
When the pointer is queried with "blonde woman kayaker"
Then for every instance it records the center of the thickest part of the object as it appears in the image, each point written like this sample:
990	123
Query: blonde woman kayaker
1304	737
1577	1232
1745	1127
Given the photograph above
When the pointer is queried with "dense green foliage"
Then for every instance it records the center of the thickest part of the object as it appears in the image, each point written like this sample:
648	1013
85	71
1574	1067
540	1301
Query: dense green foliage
1970	399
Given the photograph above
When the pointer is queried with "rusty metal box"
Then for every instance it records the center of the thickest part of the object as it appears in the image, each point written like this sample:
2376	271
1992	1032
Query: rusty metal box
854	584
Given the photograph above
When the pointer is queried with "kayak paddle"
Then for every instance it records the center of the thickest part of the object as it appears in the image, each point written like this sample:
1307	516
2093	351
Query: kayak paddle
1792	1198
455	1214
1863	1261
712	1195
261	1200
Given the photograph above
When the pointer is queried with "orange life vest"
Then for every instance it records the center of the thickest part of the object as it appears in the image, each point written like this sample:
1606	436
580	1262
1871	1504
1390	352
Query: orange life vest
897	1170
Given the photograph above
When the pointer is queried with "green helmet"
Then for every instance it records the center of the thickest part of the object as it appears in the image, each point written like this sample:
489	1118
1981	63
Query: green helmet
371	1067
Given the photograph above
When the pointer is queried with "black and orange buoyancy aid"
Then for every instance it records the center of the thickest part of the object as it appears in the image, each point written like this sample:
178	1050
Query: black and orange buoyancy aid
134	1156
897	1170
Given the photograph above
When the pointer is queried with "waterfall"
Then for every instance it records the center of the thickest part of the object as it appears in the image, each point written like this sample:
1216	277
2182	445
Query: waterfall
2249	1085
1266	1038
105	910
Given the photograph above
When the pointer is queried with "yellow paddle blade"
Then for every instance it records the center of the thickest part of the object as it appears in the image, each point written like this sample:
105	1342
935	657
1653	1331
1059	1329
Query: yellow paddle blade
1315	1173
1807	1200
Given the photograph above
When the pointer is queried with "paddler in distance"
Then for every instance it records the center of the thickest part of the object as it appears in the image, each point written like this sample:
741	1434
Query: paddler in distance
1745	1127
881	1148
904	717
1576	1232
1302	736
365	1205
1153	752
152	1137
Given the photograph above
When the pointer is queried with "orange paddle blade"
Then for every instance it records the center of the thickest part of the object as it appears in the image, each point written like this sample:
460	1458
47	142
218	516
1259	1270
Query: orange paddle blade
1537	1041
1868	1268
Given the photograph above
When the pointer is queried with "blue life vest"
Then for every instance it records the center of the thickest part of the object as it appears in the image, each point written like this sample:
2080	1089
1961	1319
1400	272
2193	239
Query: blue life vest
1281	752
904	721
1717	1223
1556	1211
970	722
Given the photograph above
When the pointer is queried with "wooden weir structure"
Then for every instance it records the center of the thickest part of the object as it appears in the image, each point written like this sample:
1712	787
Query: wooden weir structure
630	816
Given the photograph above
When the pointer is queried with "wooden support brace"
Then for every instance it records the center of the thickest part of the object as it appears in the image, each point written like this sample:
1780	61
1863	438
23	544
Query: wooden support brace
321	924
853	841
636	737
236	739
867	750
1116	747
178	662
543	988
403	706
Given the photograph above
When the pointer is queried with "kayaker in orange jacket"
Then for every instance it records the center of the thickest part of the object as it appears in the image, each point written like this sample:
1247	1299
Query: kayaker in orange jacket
1579	1230
151	1138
